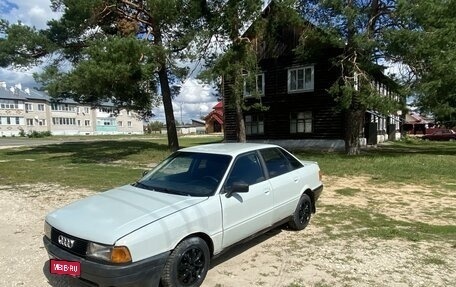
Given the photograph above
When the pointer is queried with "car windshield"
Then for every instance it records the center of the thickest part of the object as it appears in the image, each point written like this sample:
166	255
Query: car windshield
187	173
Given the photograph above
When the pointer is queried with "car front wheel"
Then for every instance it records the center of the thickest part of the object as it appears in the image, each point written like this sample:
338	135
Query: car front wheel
187	265
302	214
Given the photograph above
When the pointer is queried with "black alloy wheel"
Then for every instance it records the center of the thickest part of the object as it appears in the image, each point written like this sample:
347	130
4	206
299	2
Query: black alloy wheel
302	214
187	265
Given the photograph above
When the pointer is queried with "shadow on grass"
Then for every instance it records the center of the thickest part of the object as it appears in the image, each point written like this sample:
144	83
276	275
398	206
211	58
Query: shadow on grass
393	149
401	148
93	151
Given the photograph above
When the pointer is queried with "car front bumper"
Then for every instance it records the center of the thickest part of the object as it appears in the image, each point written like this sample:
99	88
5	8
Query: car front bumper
143	273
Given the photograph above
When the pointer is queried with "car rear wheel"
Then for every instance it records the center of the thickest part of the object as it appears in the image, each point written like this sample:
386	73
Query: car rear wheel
302	214
187	265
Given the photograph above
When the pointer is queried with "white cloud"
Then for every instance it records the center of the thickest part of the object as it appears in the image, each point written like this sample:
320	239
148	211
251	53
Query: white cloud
31	12
194	101
12	77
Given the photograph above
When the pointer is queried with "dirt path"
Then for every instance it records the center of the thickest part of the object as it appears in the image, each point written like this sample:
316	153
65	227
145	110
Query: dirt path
278	258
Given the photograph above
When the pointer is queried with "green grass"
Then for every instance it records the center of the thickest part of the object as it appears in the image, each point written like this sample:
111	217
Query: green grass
426	163
434	260
96	165
352	221
100	162
348	191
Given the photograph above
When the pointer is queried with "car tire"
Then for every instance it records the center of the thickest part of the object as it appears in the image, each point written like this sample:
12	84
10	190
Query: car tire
302	214
187	265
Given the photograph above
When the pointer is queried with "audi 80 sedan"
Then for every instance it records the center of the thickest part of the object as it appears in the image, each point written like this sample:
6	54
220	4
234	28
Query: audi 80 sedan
164	229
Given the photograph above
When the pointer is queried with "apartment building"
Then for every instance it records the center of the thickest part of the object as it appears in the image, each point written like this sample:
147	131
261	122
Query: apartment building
31	110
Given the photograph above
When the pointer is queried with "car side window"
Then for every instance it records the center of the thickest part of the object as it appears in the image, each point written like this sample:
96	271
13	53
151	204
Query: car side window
276	162
295	164
246	169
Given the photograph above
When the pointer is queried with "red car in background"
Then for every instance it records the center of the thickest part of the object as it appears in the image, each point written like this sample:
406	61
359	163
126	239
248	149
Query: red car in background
441	135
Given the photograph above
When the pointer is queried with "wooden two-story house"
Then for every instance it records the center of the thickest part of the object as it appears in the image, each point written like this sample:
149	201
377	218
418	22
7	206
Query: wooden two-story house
299	112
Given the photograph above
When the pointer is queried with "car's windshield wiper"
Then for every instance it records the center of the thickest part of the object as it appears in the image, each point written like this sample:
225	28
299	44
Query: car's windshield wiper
142	185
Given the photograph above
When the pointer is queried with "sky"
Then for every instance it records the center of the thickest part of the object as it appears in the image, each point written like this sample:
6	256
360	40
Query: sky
194	101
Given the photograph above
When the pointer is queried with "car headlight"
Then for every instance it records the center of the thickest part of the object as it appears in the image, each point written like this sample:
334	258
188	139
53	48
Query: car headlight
47	230
113	254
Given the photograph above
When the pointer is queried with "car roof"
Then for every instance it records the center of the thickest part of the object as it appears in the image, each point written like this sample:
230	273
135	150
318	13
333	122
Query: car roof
232	149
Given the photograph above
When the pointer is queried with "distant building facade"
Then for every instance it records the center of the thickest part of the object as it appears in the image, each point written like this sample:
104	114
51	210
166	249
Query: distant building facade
28	110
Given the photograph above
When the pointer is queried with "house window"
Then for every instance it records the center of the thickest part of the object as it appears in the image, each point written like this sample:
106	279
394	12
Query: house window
86	110
120	124
9	104
254	124
42	122
301	122
257	88
79	123
28	107
63	107
87	123
64	121
129	124
301	79
40	107
30	122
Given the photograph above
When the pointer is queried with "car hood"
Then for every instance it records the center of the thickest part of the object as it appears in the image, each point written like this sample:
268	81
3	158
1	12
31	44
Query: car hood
110	215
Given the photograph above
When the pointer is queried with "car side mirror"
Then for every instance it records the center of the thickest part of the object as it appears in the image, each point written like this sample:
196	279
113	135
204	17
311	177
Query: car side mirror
237	187
144	173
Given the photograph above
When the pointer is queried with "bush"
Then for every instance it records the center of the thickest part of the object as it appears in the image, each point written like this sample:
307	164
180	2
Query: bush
35	134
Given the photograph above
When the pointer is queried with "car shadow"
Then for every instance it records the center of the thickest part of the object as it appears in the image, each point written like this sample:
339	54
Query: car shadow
244	245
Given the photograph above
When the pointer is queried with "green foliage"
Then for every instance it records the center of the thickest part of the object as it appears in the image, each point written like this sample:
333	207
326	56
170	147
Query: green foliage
24	46
428	45
155	126
123	64
36	134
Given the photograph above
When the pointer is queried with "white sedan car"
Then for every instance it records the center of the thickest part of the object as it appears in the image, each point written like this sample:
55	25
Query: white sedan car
165	228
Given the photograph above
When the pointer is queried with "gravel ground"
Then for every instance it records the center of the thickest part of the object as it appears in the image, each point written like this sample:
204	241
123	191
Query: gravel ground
278	258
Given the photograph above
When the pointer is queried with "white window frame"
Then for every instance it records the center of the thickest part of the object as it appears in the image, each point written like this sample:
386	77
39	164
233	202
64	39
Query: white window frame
294	86
248	93
301	122
254	124
41	107
29	107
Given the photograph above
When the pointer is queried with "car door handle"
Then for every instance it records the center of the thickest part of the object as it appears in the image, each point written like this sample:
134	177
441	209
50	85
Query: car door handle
267	191
296	180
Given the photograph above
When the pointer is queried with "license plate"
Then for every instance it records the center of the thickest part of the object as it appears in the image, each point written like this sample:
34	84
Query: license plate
62	267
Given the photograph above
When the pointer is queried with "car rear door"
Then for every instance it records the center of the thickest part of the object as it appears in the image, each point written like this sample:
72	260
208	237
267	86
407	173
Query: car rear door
245	214
286	181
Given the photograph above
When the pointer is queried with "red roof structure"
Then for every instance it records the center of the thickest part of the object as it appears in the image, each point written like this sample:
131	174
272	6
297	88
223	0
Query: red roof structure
214	120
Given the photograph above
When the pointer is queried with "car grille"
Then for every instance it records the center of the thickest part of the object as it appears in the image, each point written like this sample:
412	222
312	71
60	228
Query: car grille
79	247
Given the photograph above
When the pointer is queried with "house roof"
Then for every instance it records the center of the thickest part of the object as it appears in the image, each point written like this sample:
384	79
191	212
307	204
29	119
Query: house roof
32	94
219	105
9	95
414	118
216	115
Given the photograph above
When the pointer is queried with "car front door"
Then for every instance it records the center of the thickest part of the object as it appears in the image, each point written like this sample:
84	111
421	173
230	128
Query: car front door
248	212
